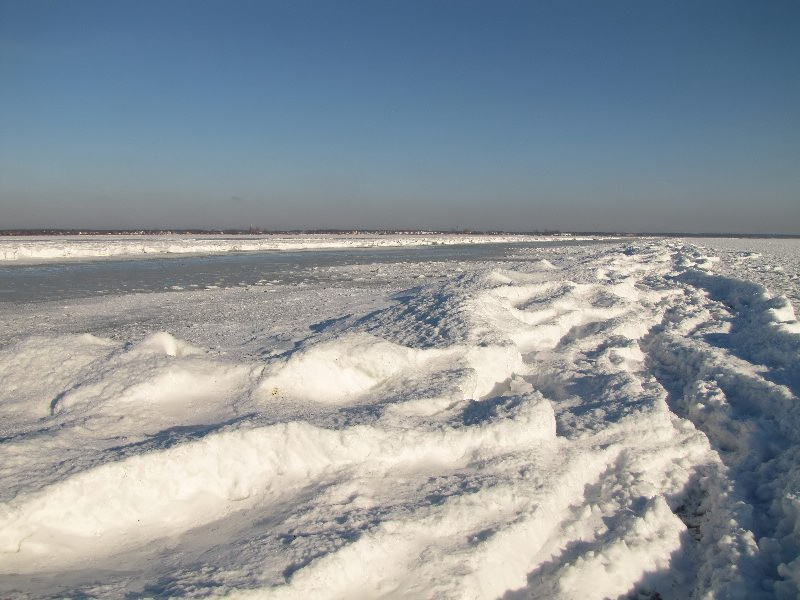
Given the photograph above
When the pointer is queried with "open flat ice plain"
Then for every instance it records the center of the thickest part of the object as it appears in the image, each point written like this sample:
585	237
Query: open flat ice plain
595	420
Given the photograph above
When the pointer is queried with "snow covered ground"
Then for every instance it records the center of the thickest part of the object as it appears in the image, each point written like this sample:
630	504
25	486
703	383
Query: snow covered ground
596	421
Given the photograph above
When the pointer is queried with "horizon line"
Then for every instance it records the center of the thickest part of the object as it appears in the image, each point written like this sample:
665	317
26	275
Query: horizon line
51	231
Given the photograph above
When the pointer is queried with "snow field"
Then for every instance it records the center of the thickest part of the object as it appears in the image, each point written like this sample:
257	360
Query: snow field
577	423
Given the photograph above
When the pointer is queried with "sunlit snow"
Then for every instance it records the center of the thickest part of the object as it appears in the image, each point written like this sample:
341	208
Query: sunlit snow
593	421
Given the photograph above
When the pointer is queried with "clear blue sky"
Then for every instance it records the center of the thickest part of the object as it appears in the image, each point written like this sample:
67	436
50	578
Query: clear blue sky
638	115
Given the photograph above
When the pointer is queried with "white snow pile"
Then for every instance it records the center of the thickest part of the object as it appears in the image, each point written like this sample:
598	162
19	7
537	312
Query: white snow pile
34	249
596	422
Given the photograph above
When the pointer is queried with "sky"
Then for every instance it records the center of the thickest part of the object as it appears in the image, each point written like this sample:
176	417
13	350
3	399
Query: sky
641	115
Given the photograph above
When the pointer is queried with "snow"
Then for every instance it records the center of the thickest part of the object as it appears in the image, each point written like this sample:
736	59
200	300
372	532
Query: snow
33	249
588	421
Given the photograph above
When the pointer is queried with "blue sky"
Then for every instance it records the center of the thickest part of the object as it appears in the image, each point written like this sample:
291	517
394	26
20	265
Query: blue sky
638	116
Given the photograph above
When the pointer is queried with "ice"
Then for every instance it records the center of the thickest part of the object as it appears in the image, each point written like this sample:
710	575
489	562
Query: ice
591	421
76	247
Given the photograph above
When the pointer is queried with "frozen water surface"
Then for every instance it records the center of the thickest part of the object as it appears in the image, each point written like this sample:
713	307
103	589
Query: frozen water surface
587	421
90	276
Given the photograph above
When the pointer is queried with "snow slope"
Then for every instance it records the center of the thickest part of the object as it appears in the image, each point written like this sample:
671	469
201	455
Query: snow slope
583	422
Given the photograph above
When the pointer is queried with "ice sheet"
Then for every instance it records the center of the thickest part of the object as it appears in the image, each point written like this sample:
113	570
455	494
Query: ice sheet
75	247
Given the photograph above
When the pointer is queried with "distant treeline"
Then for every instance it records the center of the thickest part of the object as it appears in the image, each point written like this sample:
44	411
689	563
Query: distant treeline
259	231
125	231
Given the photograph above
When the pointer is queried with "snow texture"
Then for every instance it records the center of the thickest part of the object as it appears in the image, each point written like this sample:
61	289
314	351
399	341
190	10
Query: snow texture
599	421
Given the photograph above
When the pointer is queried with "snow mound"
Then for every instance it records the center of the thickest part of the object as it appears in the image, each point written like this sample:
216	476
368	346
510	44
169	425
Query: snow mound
335	371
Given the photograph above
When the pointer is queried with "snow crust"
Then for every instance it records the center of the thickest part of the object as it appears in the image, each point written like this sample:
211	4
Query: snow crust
574	422
51	248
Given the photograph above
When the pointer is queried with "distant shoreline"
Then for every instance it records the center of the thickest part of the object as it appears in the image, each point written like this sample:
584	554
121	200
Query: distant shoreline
260	232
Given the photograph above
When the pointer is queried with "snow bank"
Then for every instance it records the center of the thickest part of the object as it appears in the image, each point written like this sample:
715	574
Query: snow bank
578	423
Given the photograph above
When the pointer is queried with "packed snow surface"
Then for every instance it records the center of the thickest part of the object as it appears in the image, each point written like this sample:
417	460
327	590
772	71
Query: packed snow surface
597	421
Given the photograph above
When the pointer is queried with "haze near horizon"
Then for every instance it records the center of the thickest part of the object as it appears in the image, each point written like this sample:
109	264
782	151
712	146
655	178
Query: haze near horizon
516	116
